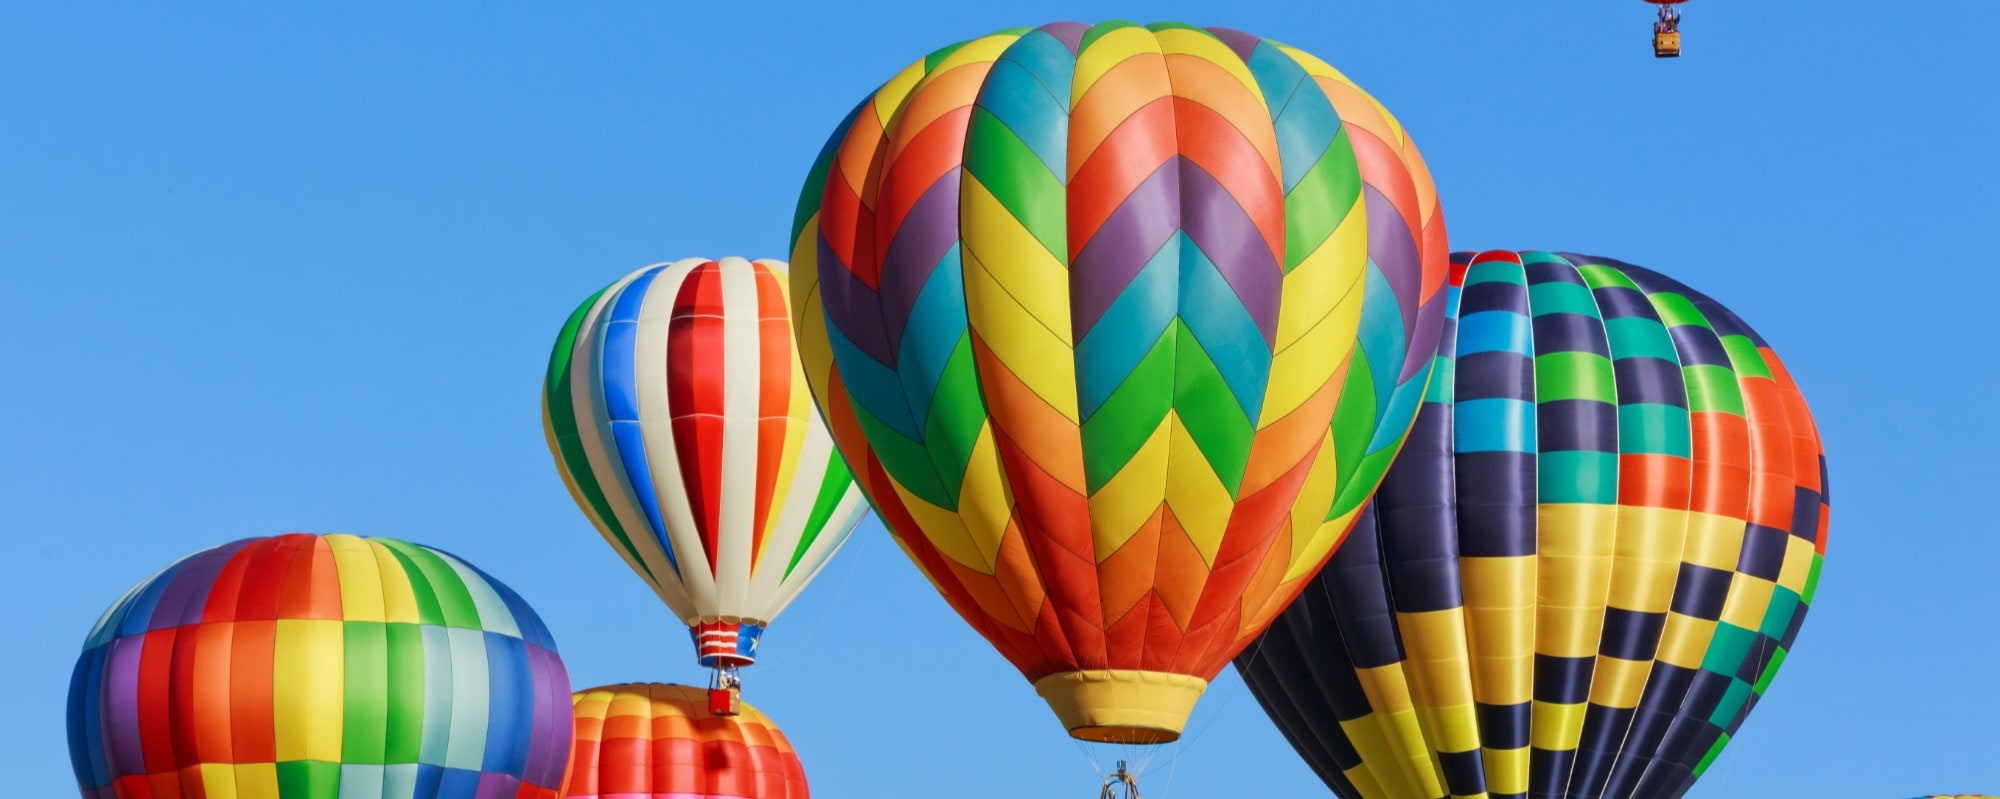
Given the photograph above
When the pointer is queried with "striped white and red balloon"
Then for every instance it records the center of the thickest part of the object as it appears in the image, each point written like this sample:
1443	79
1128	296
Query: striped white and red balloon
680	421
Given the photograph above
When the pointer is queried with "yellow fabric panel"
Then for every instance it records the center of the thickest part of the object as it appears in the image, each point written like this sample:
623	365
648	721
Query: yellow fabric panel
1033	278
886	101
1506	770
399	599
1387	689
1798	564
1363	781
1321	542
1041	358
1648	558
1713	541
1321	485
1375	738
1616	682
1575	574
1500	625
218	780
1440	679
944	529
1685	640
1131	496
307	687
360	580
1555	727
1316	330
1197	497
983	49
1749	598
255	780
984	503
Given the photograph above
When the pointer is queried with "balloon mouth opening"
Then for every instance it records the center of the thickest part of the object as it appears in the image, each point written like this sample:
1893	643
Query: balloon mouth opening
1125	735
1122	706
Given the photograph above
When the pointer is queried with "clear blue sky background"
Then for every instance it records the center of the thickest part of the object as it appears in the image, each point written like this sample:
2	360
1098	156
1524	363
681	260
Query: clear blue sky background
271	267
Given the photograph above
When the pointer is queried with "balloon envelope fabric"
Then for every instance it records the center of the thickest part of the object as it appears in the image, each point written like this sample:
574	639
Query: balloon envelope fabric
319	666
680	422
1586	565
655	741
1118	325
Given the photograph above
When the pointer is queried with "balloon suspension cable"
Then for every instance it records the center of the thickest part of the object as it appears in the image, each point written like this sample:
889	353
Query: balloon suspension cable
1120	785
725	691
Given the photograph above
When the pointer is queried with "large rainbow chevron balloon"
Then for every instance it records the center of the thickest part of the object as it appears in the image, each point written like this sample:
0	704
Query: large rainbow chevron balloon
1118	325
302	666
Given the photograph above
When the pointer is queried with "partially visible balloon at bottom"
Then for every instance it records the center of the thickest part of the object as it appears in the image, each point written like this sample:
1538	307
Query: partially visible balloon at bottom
658	741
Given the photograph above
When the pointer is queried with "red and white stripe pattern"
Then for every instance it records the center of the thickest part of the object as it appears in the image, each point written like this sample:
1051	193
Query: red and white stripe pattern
681	421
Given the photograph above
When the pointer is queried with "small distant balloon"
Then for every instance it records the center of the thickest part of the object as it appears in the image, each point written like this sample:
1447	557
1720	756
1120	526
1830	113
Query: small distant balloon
656	741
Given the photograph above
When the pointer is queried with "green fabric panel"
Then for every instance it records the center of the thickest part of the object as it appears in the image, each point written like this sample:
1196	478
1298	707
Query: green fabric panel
1574	375
309	779
814	190
1576	476
1728	648
957	414
938	56
453	599
1713	751
1353	426
1556	297
364	726
571	456
1495	272
1597	276
1323	198
1099	30
1778	615
1209	410
1024	185
1639	337
831	488
429	610
1770	672
1743	355
905	460
1362	483
1812	579
1731	704
404	644
1444	378
1712	389
1654	429
1124	421
1675	310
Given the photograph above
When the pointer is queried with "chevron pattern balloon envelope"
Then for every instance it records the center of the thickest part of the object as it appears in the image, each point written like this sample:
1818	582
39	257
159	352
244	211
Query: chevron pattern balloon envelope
1118	325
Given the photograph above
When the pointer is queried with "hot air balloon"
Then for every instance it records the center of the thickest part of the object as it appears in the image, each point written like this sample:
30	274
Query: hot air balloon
654	741
304	666
1118	326
1667	29
680	422
1588	562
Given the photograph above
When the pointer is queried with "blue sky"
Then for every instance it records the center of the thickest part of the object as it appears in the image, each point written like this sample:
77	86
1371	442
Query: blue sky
274	267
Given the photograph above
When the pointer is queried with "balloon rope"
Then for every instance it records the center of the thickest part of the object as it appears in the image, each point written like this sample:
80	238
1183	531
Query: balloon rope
854	545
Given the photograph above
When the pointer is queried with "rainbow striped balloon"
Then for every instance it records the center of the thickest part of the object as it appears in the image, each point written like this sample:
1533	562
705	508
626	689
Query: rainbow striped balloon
676	413
319	666
657	741
1119	325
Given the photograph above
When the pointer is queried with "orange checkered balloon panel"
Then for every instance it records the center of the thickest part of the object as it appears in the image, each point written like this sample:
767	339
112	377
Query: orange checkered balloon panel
658	741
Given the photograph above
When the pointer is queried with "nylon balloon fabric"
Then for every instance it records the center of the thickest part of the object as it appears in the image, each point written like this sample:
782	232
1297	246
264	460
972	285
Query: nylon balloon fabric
1118	325
303	666
679	420
1585	567
655	741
